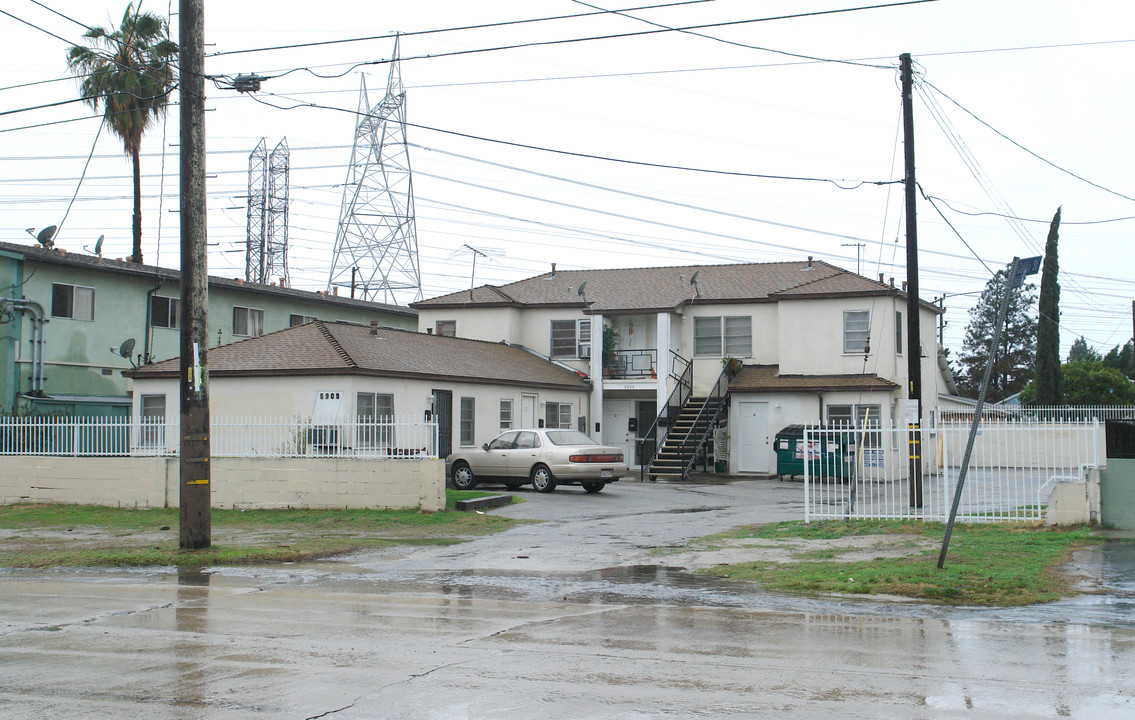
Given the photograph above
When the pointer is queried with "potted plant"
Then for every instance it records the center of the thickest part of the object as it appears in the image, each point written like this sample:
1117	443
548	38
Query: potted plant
610	349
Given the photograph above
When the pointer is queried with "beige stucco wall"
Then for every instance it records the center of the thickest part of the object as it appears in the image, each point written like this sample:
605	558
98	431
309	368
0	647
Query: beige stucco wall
313	483
491	324
295	396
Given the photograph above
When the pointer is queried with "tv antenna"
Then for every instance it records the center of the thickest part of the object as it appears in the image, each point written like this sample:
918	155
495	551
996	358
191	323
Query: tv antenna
487	253
43	237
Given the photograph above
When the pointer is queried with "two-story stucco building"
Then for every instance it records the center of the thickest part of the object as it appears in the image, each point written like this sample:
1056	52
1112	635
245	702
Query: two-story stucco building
64	315
812	343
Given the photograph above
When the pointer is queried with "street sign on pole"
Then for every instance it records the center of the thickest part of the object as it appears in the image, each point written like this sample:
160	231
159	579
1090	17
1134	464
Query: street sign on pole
1025	267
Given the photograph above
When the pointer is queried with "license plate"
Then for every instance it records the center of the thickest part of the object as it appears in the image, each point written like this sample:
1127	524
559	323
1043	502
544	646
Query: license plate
604	473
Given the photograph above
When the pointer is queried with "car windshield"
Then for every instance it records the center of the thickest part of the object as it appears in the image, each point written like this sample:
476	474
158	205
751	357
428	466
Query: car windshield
569	437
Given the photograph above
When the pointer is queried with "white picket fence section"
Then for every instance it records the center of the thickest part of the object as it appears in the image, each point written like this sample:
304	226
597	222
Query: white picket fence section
234	437
851	473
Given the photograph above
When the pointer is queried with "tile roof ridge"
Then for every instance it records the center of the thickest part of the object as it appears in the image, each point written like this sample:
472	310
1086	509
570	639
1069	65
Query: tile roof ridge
339	350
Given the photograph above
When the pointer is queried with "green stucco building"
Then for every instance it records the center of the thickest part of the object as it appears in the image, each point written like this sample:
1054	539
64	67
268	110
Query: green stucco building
64	316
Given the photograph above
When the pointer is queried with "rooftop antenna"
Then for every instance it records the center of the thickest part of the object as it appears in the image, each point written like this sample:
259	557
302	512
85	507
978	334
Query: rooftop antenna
124	350
43	237
694	283
98	246
487	253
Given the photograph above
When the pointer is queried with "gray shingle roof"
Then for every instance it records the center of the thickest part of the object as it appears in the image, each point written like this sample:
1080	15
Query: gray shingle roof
666	288
321	348
34	253
767	378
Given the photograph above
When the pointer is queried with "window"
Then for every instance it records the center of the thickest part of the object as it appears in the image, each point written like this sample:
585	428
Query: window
739	336
467	421
856	331
506	414
294	319
164	311
248	322
735	341
446	327
557	416
862	417
152	413
72	301
527	440
503	442
375	413
571	338
898	332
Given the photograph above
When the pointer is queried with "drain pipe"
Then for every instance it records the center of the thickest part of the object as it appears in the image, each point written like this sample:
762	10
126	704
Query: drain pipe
39	318
149	319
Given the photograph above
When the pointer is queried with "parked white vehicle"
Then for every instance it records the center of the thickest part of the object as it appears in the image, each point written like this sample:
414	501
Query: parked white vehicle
541	457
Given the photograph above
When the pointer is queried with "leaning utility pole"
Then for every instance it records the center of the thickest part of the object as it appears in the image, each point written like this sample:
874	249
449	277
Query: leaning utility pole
913	334
194	500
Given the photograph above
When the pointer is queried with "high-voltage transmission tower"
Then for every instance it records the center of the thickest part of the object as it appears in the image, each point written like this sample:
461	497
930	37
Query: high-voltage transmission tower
376	245
266	252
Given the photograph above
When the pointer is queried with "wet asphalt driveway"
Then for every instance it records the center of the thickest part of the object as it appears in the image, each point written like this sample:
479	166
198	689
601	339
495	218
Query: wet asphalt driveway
571	617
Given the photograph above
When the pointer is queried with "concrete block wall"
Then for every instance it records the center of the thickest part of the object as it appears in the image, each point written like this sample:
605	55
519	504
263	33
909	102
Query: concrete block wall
313	483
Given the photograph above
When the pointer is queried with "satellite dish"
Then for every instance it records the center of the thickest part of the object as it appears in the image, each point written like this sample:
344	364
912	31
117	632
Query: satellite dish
98	245
45	235
694	282
126	348
579	290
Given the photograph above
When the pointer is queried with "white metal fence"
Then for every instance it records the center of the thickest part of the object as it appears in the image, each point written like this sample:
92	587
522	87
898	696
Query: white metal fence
1036	413
850	473
235	437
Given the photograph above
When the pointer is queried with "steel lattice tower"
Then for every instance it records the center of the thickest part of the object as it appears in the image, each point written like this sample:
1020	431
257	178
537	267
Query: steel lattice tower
376	245
266	250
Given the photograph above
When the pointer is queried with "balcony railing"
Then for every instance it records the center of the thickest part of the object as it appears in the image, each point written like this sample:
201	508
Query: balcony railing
631	364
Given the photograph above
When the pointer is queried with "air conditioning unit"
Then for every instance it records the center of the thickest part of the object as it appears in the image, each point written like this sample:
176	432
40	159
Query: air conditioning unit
585	351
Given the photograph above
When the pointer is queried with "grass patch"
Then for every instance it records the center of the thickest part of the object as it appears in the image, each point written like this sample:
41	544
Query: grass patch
85	535
994	564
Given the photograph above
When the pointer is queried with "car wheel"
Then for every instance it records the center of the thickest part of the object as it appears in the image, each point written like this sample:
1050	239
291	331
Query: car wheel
594	487
463	476
542	479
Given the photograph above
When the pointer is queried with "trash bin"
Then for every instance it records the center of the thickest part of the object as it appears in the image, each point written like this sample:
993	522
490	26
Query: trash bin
831	452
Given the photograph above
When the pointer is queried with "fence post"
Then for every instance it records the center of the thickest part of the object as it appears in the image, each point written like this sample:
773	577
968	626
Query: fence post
807	482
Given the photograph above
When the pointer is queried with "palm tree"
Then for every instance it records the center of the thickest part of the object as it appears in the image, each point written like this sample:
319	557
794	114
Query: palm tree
129	72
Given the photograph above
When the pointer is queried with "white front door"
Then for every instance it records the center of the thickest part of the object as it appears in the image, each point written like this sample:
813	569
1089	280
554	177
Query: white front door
752	437
527	411
616	413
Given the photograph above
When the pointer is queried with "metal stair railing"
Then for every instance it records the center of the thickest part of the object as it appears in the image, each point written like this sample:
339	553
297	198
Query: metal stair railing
714	405
674	404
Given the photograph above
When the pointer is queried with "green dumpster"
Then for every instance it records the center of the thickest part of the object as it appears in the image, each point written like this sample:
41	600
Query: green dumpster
830	451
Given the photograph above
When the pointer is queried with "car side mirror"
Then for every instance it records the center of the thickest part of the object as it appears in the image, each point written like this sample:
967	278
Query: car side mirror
484	446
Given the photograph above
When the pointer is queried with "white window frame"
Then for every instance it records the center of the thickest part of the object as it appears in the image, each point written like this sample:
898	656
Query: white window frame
152	421
723	336
441	326
296	319
580	339
80	296
172	313
468	421
856	339
375	429
506	414
898	332
253	321
560	412
853	415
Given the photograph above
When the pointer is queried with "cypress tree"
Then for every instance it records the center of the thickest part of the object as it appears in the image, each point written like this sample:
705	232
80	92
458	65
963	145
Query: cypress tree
1049	382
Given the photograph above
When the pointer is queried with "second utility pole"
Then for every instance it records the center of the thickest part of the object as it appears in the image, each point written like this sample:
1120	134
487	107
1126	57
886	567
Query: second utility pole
913	334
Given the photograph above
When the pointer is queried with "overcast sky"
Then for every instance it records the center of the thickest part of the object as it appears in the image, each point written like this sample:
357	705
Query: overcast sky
813	97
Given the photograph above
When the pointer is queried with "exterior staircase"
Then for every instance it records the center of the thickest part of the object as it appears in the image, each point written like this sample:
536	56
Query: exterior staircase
687	437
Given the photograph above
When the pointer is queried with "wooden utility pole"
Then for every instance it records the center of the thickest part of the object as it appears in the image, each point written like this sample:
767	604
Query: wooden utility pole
913	334
194	497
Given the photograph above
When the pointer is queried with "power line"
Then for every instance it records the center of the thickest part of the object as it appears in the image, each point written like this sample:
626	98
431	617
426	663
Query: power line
1031	220
547	43
390	36
1022	147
